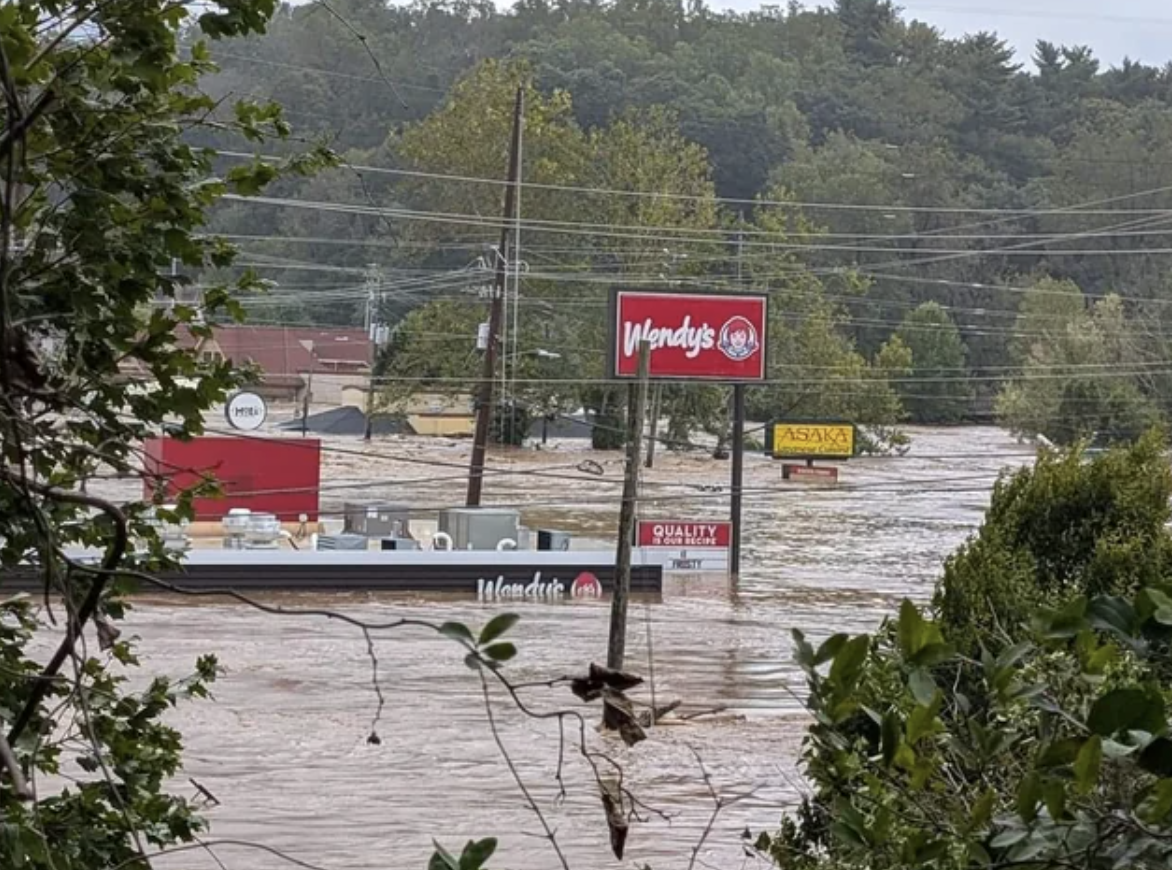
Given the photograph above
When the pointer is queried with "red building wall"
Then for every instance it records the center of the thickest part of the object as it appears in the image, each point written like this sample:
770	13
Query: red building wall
286	474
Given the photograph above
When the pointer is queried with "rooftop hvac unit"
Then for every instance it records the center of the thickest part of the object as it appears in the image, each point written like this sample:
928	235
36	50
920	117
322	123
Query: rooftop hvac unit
377	520
548	539
341	542
480	528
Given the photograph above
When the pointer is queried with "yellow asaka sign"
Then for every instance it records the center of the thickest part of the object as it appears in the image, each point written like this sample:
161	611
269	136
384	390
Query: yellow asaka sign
812	440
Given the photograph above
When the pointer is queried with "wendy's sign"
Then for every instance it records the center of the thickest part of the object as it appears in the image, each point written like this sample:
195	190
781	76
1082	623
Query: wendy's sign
693	336
584	585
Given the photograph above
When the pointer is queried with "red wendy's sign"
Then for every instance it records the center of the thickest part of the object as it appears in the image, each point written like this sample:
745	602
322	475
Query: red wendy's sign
693	336
672	534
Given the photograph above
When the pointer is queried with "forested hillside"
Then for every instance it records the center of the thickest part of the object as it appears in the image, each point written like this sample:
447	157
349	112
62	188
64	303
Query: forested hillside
895	190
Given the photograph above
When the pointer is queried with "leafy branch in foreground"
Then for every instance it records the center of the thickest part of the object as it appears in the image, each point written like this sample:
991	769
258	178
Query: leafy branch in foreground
1056	753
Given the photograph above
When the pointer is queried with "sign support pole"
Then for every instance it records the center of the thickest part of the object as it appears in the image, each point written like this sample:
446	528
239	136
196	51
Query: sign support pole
738	480
656	398
636	411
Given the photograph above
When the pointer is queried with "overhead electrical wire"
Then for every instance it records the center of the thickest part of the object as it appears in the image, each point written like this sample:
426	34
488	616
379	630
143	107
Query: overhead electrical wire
883	207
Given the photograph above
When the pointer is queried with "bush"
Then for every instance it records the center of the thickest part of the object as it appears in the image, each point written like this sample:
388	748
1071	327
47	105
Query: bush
510	424
1064	527
1026	727
1057	754
609	431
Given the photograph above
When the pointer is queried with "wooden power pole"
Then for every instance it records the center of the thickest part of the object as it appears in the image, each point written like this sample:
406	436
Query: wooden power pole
738	482
636	411
484	409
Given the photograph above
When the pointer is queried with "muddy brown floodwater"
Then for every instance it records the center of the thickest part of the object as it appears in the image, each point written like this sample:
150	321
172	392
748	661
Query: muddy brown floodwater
283	746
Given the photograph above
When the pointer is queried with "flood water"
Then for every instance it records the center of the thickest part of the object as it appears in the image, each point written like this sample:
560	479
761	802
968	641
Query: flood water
284	744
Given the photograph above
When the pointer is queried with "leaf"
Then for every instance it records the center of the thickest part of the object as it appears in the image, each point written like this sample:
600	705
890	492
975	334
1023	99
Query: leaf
933	654
1060	753
1127	710
890	731
848	664
500	652
457	631
1157	803
1156	605
1009	837
923	686
982	811
912	629
803	652
922	721
1110	613
477	853
1054	794
472	661
830	648
1086	765
1014	654
1067	622
442	859
1157	757
1029	793
497	626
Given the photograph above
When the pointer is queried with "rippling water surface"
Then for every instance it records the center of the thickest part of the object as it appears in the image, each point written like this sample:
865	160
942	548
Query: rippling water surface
283	746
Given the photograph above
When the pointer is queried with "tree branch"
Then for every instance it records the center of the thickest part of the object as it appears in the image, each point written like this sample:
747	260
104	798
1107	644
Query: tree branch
549	832
89	605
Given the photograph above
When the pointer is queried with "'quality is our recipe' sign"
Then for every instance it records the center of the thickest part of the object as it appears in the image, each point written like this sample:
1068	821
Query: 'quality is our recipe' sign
693	336
673	534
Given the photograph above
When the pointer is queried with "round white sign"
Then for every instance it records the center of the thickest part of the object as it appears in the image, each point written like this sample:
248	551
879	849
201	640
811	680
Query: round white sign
246	411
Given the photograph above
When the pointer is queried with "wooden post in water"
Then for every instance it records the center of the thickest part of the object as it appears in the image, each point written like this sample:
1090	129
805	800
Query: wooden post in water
656	398
636	410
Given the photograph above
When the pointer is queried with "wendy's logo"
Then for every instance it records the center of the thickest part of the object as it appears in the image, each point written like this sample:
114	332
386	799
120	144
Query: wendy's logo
738	339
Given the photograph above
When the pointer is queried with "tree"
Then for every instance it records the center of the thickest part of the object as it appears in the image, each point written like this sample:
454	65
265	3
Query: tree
1060	529
1081	376
558	312
1012	726
937	391
100	195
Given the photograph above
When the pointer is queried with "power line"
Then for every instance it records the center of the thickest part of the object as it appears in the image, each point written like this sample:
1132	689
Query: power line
888	207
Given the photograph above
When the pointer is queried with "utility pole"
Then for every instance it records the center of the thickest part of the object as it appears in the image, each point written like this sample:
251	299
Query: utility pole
738	481
741	253
738	447
636	411
372	327
484	408
308	391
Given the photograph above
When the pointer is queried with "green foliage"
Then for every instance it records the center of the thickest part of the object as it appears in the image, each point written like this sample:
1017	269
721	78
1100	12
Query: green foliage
1063	527
101	195
475	855
1083	373
937	391
510	424
1055	754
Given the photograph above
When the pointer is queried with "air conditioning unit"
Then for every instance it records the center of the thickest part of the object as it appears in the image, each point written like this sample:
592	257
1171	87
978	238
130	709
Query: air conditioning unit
480	528
378	520
342	542
548	539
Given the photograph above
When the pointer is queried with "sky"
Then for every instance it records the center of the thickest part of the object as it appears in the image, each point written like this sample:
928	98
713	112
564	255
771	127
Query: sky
1139	29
